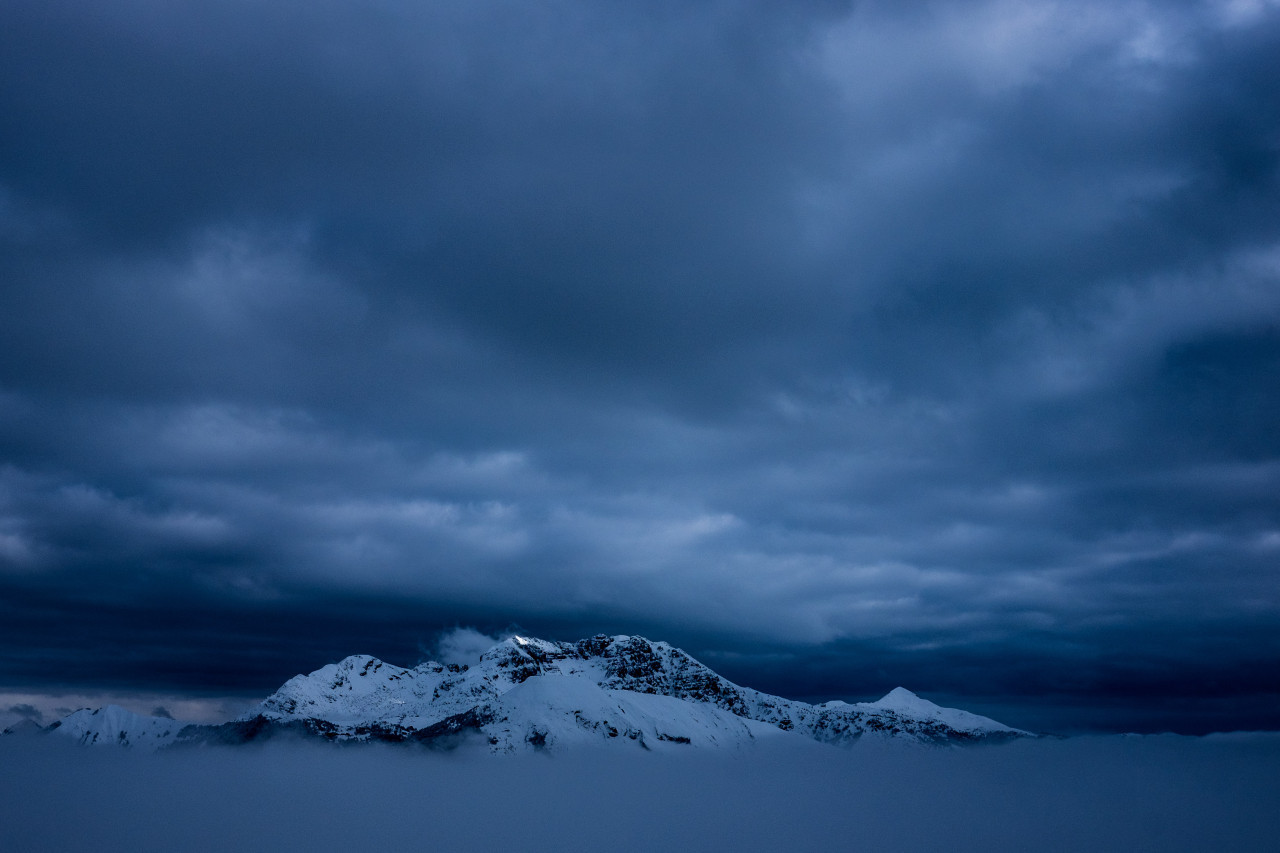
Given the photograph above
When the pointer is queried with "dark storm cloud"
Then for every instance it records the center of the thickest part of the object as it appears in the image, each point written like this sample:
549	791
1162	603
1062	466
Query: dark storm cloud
875	343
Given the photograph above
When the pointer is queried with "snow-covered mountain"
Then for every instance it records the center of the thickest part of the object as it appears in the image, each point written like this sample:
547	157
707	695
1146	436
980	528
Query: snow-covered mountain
530	694
114	725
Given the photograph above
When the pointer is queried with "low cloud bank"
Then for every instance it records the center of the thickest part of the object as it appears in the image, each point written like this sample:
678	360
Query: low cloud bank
1116	793
464	646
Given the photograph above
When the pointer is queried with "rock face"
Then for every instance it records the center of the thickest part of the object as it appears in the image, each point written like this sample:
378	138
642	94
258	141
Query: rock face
530	694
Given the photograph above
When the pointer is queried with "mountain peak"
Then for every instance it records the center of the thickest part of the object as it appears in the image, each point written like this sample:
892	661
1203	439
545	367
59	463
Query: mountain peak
117	726
900	698
903	702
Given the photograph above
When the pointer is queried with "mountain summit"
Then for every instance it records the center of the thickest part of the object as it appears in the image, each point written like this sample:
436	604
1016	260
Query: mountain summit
531	694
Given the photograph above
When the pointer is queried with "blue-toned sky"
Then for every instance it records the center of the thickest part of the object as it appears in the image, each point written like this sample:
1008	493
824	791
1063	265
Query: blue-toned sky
845	345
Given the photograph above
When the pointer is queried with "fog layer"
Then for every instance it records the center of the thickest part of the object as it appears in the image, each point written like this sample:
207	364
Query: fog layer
1152	793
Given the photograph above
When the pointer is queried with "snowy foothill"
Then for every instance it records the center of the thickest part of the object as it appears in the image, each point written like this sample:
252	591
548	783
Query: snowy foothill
114	726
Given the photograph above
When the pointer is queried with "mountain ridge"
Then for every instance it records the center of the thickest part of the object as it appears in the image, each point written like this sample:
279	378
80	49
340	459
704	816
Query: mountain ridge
526	693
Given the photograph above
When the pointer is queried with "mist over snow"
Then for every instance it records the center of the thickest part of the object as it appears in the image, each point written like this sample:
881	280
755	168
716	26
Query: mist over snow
463	646
1154	793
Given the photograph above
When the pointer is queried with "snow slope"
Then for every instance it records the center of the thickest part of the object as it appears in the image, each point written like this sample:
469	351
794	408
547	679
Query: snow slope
558	711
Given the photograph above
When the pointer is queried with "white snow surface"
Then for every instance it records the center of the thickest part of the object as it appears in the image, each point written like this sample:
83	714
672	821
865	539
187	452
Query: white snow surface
558	711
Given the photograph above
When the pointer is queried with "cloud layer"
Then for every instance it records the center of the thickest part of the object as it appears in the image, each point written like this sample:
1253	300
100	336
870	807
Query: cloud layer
842	344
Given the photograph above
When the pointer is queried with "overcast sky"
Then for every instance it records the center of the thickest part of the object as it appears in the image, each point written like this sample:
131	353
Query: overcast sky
845	345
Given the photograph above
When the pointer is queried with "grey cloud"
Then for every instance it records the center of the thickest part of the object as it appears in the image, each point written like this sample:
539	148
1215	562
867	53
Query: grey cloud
26	711
464	646
763	328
